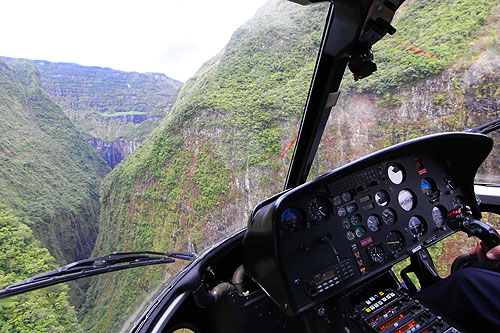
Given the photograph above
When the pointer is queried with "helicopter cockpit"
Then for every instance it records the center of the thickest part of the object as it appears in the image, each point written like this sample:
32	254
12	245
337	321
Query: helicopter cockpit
319	255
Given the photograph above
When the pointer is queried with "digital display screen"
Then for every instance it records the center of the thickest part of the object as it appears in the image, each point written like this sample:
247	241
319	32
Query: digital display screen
320	278
390	322
407	326
380	315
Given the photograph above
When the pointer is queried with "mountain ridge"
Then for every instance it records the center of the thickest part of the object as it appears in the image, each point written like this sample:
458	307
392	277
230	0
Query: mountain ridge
108	105
44	157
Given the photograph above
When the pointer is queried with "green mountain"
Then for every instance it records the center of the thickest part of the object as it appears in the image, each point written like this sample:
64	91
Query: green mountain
49	174
218	152
21	256
114	110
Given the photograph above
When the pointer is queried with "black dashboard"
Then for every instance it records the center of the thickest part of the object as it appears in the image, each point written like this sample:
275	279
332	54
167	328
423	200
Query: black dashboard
308	244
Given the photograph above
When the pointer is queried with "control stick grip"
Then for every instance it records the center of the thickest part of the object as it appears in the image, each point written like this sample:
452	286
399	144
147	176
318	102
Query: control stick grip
461	218
484	232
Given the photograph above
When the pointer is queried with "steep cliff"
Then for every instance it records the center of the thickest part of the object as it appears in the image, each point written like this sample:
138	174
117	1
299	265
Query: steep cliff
115	151
109	105
49	174
218	153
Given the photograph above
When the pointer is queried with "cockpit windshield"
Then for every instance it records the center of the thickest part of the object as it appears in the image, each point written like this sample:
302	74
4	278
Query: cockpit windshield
438	73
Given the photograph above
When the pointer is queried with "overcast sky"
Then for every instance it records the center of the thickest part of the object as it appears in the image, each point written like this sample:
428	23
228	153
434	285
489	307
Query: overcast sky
174	37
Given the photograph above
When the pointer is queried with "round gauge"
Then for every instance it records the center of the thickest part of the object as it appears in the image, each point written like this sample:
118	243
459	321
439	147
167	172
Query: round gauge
396	173
416	226
458	202
350	235
355	219
382	198
346	224
291	218
360	231
395	241
341	211
389	216
428	186
351	208
374	223
320	208
376	253
346	196
337	200
406	200
439	216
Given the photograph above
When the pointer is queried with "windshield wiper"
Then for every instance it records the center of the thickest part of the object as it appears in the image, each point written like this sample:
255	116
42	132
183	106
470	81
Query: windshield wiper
94	266
486	128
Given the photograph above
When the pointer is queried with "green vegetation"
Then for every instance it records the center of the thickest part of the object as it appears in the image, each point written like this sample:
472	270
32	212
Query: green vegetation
178	213
431	35
22	256
90	95
49	175
256	84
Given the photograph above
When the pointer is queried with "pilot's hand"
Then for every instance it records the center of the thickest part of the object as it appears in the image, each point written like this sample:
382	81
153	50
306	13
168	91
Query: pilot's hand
482	254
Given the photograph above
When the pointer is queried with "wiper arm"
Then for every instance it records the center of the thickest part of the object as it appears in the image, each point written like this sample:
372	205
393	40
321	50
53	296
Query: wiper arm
94	266
486	128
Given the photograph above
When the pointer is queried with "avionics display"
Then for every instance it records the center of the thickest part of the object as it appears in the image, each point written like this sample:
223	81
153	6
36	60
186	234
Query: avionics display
368	215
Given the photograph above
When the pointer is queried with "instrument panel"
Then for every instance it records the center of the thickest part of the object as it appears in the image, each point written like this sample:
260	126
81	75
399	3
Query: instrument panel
308	244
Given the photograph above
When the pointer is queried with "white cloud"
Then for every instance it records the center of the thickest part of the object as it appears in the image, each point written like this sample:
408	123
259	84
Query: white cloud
173	37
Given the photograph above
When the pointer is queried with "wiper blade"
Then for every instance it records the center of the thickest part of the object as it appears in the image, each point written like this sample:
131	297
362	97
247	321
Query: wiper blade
94	266
486	128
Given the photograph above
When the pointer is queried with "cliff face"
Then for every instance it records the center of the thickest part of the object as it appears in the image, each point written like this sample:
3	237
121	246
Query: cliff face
108	105
113	152
49	174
